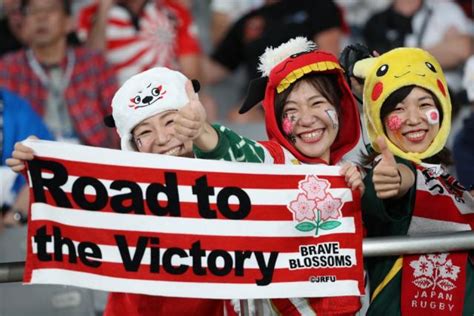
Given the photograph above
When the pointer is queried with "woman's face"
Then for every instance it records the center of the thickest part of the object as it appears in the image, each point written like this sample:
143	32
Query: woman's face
156	135
310	120
414	122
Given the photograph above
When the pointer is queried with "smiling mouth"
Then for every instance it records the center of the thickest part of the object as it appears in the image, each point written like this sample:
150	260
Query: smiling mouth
416	136
402	75
312	136
173	151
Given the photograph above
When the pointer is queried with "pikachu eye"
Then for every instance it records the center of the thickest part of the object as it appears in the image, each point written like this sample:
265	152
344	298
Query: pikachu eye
382	70
430	67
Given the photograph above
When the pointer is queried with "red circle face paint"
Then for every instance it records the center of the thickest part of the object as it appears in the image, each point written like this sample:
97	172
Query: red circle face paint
394	122
432	116
441	87
377	91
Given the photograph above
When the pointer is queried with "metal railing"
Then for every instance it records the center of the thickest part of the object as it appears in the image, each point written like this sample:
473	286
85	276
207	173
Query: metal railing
371	247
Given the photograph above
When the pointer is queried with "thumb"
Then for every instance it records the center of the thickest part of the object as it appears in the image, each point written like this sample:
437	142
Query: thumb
192	96
387	155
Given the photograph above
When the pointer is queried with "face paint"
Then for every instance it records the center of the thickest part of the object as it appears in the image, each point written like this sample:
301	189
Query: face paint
333	117
287	125
432	116
394	122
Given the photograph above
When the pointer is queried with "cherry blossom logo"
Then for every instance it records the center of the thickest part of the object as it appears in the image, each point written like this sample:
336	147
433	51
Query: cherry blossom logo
433	271
315	208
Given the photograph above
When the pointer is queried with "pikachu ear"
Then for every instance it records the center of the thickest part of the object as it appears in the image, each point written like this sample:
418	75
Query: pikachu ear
363	66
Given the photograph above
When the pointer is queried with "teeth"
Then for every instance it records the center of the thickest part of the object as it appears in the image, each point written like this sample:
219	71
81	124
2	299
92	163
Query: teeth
312	135
415	135
172	152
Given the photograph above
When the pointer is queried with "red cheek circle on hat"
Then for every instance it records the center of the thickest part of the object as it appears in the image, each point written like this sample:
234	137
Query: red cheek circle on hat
394	122
377	91
441	87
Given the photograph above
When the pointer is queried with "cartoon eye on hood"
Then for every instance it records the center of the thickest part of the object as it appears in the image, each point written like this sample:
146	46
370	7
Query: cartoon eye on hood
391	71
148	96
282	67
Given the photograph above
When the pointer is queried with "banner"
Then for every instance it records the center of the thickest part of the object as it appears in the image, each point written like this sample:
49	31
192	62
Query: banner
160	225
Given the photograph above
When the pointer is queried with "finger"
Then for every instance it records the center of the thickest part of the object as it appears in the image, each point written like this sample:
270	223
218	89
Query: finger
387	155
33	137
387	194
386	171
15	164
386	186
192	96
344	168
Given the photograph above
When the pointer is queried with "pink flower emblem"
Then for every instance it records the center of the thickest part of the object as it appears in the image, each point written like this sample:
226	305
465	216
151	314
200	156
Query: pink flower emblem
303	208
330	207
287	126
314	187
394	122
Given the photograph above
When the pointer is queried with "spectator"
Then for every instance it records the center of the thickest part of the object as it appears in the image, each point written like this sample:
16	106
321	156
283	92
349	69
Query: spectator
463	149
138	35
70	87
225	12
272	25
439	27
17	122
10	27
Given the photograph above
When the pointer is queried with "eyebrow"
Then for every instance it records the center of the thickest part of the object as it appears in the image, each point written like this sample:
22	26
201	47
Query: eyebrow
426	97
316	96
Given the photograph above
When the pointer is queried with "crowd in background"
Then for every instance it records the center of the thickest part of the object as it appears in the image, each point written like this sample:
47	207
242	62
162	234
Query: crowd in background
61	61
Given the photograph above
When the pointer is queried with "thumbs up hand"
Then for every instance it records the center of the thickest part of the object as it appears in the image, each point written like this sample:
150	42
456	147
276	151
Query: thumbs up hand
190	120
387	177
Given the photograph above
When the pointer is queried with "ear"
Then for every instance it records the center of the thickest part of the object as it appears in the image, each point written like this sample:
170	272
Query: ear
255	94
109	121
196	85
363	66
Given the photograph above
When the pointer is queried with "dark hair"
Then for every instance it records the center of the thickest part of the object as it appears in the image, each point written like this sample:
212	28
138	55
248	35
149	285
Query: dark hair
326	84
65	3
444	156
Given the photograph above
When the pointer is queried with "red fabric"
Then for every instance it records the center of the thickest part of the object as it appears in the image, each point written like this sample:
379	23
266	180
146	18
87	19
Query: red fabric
275	150
345	305
119	304
88	94
434	284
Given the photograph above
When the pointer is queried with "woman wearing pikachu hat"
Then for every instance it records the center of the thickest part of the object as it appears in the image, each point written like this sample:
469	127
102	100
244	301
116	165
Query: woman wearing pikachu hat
407	112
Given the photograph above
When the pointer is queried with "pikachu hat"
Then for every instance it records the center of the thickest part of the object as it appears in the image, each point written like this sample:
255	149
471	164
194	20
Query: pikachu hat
396	69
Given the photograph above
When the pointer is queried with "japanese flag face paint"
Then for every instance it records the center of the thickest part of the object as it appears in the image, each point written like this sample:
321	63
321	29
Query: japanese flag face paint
332	114
432	116
288	124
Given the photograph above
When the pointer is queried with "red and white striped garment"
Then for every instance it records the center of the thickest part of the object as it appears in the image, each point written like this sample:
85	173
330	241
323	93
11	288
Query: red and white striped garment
96	177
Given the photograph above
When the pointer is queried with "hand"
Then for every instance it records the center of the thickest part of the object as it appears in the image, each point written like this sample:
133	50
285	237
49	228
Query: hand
353	177
386	177
20	154
190	120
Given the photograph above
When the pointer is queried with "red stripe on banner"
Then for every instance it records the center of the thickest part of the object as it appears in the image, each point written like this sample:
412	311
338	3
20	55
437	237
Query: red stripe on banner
437	211
249	276
191	209
188	178
266	244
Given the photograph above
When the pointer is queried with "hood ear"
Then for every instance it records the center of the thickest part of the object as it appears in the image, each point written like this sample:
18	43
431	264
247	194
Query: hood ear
363	66
255	94
109	121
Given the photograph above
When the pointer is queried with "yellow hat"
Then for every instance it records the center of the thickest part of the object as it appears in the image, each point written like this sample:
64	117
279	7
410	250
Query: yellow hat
396	69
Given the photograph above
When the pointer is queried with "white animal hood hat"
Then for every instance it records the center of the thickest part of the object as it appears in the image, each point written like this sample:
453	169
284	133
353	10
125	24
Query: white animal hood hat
145	95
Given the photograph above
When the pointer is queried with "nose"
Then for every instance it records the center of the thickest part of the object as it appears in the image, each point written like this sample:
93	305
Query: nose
163	136
415	116
307	118
147	99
